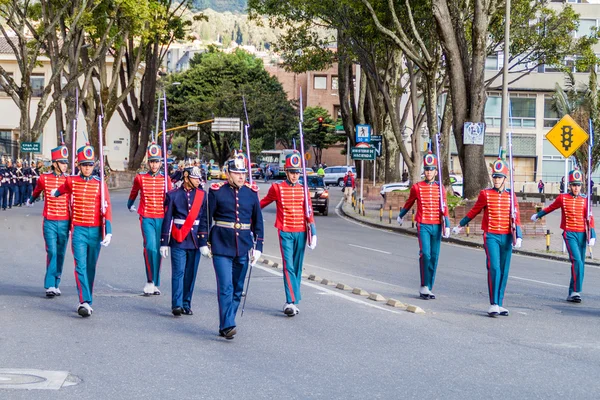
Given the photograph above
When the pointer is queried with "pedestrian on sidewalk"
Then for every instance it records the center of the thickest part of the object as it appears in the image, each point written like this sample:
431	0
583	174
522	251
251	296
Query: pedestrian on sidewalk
87	237
497	233
236	238
292	228
562	184
541	186
573	222
57	215
185	230
431	223
349	186
151	186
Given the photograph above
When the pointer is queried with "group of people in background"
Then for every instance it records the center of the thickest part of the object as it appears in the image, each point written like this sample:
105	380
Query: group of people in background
17	181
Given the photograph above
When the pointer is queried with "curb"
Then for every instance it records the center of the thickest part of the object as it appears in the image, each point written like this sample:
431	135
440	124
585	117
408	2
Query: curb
355	291
461	242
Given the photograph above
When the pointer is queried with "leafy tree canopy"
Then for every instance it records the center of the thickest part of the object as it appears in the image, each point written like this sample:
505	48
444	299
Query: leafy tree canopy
215	85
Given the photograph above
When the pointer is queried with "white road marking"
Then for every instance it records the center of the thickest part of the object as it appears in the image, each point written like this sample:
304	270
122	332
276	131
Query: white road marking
369	248
334	293
343	273
541	282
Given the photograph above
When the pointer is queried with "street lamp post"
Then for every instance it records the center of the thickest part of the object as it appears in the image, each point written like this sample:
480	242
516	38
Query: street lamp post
505	105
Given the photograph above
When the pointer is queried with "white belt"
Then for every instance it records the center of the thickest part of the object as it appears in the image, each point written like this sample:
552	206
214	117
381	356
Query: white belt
182	221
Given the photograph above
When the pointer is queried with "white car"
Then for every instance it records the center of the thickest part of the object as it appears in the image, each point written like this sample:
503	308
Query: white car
456	180
335	175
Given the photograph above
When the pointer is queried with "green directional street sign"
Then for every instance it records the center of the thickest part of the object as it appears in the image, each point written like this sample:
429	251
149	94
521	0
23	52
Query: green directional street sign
30	147
339	130
363	153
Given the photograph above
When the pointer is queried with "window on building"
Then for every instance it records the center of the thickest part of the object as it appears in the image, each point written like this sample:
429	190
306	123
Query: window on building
491	62
334	83
2	91
337	112
551	116
522	111
6	143
587	27
37	85
493	110
320	82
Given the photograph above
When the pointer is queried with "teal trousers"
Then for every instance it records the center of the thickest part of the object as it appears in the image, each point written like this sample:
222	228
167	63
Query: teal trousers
498	250
85	243
292	245
576	244
56	236
151	228
430	239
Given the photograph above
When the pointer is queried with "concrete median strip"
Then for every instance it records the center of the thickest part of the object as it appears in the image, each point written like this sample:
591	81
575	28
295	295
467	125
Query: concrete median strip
356	291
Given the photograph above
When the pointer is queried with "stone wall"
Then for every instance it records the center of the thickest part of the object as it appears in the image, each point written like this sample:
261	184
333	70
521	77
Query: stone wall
121	179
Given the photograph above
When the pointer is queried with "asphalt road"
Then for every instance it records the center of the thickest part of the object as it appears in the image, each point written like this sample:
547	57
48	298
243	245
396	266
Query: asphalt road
339	346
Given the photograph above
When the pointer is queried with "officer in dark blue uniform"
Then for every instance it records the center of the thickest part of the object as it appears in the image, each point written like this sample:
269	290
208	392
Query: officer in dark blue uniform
236	238
11	186
185	230
3	183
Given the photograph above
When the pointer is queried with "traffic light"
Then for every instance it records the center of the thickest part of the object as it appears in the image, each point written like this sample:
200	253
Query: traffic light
320	121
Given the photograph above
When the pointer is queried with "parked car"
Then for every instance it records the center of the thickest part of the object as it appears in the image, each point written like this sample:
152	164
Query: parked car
215	171
319	195
335	175
455	180
223	174
256	171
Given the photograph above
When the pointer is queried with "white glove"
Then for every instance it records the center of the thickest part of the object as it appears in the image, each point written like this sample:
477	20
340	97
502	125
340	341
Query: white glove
106	240
518	244
255	256
534	217
164	251
205	251
592	242
456	230
313	243
132	209
53	192
400	220
446	234
28	203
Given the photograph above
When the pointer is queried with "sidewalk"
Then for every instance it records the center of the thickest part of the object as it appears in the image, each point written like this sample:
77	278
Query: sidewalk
534	246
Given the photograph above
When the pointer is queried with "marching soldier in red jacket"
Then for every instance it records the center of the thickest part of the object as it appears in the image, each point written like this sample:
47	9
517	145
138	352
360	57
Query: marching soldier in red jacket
57	215
87	224
151	186
574	221
291	223
497	233
429	223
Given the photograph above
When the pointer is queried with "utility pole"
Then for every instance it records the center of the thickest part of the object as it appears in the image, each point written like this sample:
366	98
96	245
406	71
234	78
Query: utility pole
505	99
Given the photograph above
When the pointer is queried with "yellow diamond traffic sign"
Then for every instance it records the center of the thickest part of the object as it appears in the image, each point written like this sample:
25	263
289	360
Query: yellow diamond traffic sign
567	136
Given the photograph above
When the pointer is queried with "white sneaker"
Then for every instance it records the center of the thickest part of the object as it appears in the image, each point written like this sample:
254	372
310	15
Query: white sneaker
149	288
494	310
424	290
503	311
288	309
574	297
296	310
84	309
51	292
156	291
57	291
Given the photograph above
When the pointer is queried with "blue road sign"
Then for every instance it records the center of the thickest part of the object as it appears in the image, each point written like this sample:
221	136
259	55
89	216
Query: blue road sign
363	133
376	143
